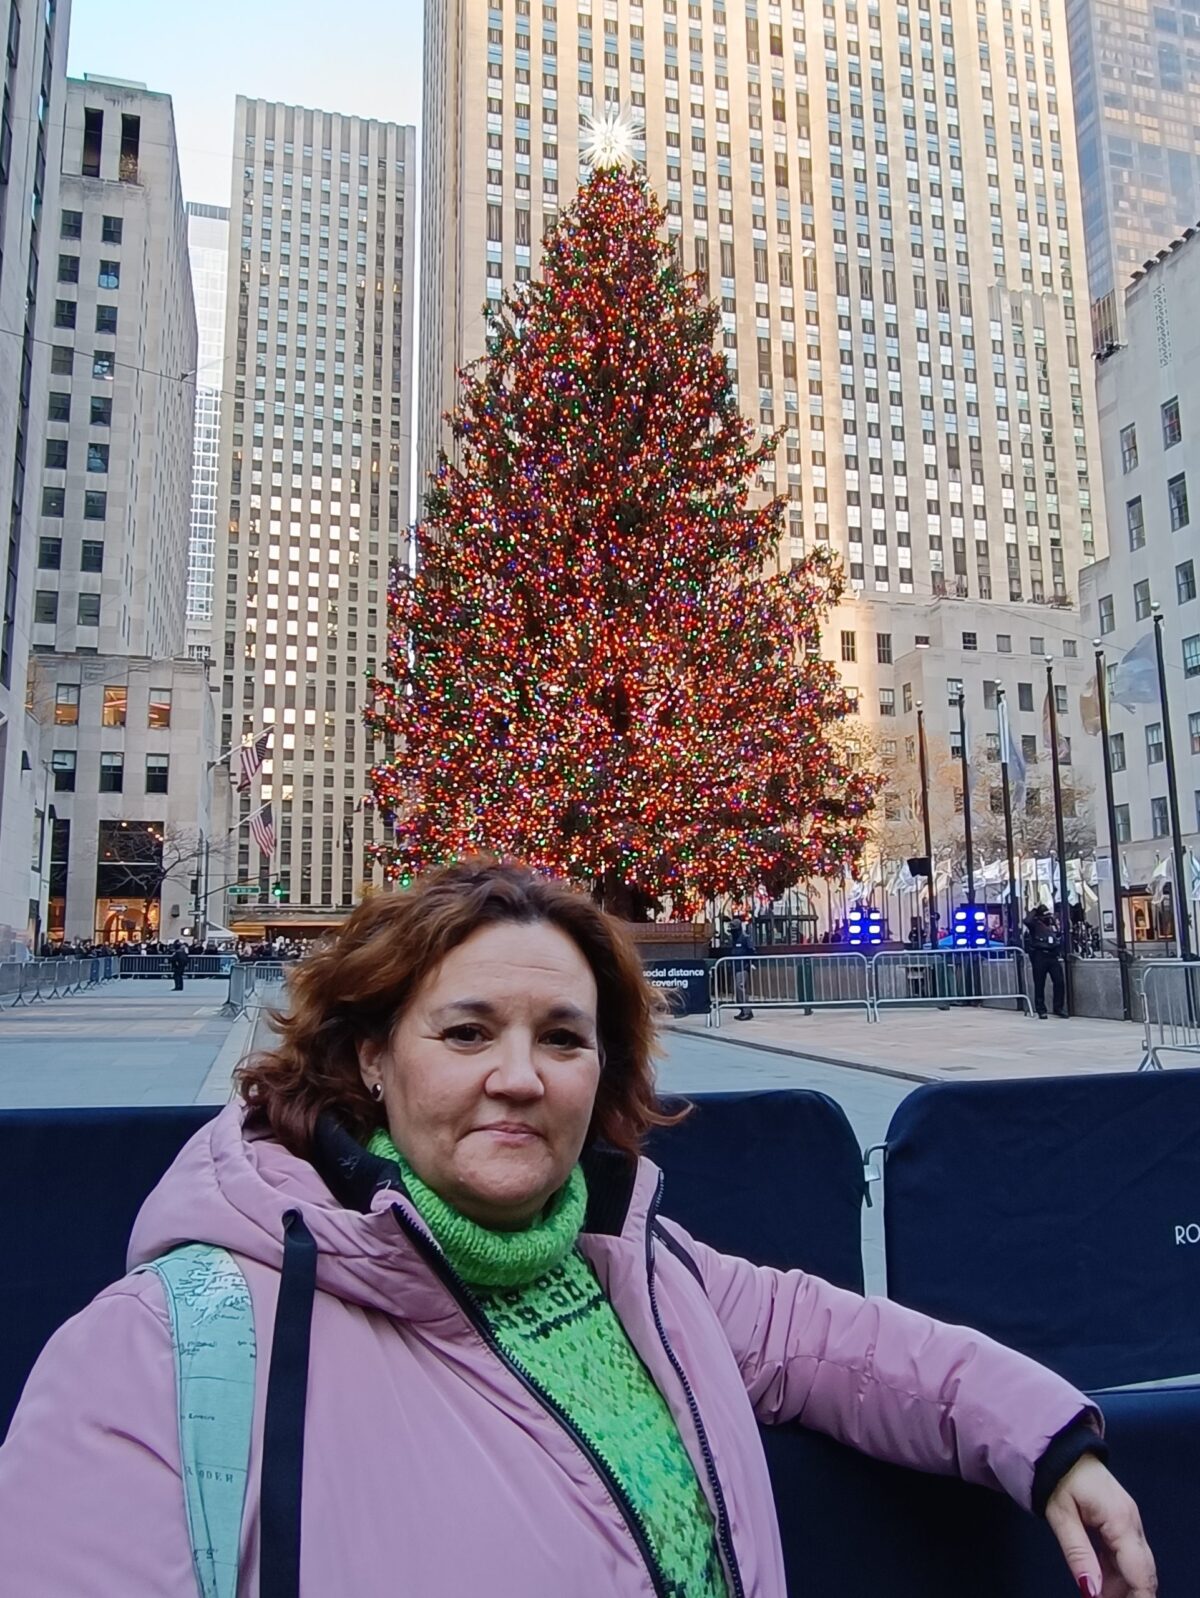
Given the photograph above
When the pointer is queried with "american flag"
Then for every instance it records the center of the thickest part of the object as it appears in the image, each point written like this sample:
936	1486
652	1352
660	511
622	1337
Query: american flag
250	758
262	830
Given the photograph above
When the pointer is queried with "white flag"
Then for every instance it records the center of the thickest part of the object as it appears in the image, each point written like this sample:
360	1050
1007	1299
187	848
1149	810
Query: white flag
1135	681
1011	755
1158	879
1194	873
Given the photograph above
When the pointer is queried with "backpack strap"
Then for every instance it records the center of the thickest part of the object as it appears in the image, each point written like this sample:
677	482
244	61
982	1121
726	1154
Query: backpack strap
212	1328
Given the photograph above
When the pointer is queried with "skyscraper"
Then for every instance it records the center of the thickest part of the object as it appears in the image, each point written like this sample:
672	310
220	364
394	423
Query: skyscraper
35	73
1136	73
884	199
314	478
208	251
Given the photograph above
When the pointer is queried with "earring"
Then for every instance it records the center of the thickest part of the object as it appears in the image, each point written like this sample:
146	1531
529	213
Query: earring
376	1091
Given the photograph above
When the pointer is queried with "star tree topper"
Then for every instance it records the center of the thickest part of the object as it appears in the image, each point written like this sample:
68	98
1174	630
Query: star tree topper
608	141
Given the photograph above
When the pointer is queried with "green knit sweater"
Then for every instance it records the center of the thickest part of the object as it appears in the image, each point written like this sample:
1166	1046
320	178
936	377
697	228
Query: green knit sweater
547	1311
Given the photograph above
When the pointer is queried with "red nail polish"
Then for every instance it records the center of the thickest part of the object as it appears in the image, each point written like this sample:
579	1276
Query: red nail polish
1088	1587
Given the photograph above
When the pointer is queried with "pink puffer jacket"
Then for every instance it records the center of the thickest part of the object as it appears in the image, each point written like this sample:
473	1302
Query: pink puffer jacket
429	1467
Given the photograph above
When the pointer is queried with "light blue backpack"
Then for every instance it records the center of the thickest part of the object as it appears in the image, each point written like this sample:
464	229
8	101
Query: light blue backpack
212	1328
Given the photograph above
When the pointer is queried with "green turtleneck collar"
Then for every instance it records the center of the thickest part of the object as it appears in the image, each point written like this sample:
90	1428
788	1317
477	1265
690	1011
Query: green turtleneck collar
487	1258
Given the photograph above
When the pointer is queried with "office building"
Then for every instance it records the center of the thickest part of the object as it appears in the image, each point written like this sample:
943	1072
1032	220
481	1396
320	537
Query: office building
884	200
1149	399
35	75
314	479
1136	74
208	252
119	747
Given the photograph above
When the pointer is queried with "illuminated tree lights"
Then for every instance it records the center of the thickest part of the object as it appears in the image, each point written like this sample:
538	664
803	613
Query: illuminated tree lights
589	670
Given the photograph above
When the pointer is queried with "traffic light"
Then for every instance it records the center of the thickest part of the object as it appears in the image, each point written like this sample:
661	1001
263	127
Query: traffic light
279	888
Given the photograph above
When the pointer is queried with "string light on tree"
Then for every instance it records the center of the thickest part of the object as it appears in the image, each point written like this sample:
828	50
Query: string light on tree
596	665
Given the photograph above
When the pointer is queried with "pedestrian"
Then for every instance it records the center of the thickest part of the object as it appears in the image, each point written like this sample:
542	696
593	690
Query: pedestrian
1043	945
741	946
441	1152
179	961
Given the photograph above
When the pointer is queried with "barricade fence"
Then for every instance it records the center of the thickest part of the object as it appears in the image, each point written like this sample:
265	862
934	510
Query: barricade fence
159	965
24	982
256	985
851	981
789	981
1170	998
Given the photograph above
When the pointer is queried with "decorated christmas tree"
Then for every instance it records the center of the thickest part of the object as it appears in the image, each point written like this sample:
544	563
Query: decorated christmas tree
597	665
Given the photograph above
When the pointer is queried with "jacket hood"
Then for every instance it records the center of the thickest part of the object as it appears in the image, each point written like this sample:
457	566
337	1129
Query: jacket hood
233	1187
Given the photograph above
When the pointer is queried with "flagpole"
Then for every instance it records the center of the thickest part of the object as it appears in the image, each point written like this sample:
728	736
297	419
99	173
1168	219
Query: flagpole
929	883
1179	903
1114	850
966	790
1010	852
1060	835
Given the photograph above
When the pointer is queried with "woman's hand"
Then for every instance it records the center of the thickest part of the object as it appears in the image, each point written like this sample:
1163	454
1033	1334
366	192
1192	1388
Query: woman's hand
1100	1532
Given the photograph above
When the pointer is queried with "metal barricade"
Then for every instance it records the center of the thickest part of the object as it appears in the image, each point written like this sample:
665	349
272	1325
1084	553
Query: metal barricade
24	982
1170	997
159	965
789	982
258	985
948	976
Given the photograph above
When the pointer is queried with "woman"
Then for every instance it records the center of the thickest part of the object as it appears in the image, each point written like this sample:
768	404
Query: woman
505	1371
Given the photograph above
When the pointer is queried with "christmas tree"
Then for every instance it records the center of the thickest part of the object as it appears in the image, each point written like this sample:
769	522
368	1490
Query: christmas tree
597	666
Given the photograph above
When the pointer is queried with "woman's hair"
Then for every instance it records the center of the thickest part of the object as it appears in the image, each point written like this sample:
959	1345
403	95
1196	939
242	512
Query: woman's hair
356	987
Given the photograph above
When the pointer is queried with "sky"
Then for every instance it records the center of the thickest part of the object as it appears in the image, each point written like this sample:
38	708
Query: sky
204	54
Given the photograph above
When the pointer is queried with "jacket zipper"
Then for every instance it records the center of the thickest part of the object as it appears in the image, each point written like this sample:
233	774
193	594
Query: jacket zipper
458	1289
724	1531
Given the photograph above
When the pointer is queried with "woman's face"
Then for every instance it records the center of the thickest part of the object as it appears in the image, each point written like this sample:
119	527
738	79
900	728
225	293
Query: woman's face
490	1075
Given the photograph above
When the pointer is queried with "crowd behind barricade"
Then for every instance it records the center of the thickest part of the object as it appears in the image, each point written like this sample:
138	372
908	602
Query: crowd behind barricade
280	949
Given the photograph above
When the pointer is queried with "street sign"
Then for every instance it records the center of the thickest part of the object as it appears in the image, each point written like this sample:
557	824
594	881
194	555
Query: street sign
240	890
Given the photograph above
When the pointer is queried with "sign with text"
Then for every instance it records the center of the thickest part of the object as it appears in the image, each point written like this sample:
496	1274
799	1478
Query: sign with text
686	979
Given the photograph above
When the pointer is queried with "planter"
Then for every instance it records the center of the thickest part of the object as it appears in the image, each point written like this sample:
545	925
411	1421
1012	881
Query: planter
670	940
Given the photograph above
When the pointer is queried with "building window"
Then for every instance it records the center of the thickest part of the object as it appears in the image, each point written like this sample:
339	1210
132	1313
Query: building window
53	501
157	770
1122	816
59	408
93	142
45	605
1185	581
887	701
1191	656
66	704
97	458
1024	696
1070	649
991	695
1004	643
954	690
62	360
883	648
1129	449
106	319
116	703
970	641
1172	432
109	275
1116	751
1178	502
1107	615
68	269
101	412
1037	646
104	364
89	610
849	647
1160	818
49	554
56	454
91	555
110	230
112	771
1029	748
907	693
1136	523
1154	743
95	504
160	707
71	225
1141	599
62	765
64	313
1194	731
